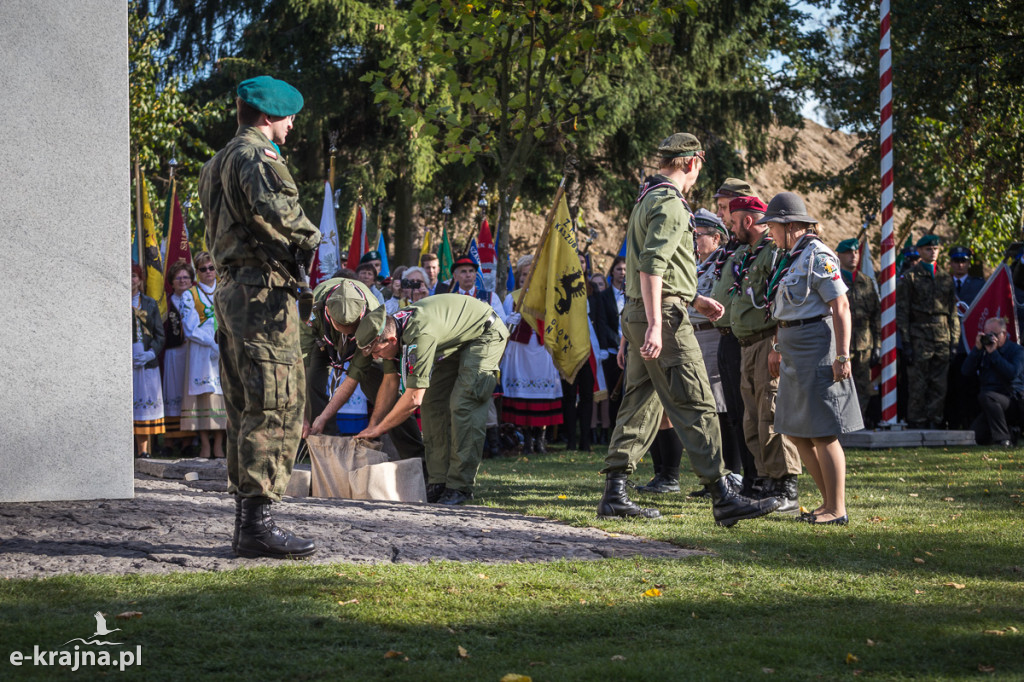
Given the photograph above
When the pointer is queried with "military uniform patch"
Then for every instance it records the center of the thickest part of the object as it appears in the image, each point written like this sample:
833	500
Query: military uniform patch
271	153
826	266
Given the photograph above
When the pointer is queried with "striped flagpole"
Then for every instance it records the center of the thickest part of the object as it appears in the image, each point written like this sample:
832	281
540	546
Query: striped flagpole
888	274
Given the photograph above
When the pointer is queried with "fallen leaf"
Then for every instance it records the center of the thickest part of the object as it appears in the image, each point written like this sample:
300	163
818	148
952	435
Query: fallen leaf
727	594
955	586
1012	629
850	658
871	642
393	654
463	653
857	672
767	671
482	576
653	592
914	495
563	497
986	668
513	677
613	535
995	632
128	615
918	560
617	657
947	499
918	591
350	601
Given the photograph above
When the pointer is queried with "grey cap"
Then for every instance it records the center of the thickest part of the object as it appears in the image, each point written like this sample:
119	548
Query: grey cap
705	218
680	144
786	207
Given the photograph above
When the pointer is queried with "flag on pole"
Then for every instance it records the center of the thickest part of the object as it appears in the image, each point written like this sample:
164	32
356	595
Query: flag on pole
510	284
177	240
327	258
357	246
487	259
994	300
444	257
557	297
474	255
153	267
382	249
425	249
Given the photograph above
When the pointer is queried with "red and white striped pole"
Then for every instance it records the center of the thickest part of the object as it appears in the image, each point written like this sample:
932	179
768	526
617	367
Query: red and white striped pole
888	274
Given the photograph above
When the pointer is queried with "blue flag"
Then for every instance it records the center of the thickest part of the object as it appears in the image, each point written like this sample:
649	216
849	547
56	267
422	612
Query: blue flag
385	271
510	286
474	254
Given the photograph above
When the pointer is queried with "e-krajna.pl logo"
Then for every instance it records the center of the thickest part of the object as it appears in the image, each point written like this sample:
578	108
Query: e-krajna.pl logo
83	655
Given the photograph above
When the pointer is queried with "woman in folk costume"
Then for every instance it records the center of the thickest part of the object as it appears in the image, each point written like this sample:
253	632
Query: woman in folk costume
533	390
147	342
816	400
203	405
181	275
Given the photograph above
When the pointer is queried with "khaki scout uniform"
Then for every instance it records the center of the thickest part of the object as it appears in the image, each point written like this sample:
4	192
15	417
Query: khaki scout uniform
247	187
324	347
775	455
865	335
927	320
451	346
660	242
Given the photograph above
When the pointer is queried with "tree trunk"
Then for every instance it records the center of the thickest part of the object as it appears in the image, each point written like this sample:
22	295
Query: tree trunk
404	230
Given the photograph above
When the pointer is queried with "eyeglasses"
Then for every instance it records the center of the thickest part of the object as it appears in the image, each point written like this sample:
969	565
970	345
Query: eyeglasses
182	278
206	268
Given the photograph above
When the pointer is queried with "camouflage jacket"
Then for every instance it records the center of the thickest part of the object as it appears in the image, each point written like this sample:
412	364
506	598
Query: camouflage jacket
247	186
865	312
926	306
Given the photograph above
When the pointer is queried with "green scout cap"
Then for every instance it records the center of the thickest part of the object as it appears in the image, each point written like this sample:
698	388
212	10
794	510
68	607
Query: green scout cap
371	327
346	304
705	218
680	144
929	240
271	96
734	187
847	245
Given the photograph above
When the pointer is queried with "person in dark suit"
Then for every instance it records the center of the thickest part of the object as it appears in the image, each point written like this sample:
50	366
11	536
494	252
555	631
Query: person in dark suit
998	363
962	397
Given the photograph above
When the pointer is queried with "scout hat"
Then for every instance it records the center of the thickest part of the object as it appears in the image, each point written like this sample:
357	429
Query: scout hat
929	240
369	256
347	303
705	218
734	187
847	245
747	204
271	96
786	207
465	260
960	253
680	144
371	327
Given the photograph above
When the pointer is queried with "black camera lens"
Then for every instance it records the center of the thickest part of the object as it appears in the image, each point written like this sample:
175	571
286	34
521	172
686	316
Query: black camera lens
411	284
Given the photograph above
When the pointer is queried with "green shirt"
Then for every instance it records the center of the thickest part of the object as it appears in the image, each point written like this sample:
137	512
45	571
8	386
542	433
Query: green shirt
720	291
660	243
745	315
436	327
318	332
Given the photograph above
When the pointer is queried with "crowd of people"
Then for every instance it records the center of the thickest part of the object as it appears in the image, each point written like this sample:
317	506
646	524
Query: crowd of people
735	336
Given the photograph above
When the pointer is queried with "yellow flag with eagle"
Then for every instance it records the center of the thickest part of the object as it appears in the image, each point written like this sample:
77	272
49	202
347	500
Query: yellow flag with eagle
556	297
152	264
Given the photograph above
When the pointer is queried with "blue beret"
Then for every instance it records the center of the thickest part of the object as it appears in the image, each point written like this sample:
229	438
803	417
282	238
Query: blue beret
271	96
929	240
847	245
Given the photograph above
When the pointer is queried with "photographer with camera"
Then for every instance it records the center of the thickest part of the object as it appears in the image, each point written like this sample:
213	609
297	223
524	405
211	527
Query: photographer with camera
999	365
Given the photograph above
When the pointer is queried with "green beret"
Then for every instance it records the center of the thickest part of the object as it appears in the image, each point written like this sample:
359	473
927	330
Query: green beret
371	327
271	96
847	245
680	144
929	240
347	303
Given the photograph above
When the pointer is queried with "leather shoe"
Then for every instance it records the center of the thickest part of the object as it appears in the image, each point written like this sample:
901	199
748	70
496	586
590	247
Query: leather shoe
434	492
839	521
260	536
454	497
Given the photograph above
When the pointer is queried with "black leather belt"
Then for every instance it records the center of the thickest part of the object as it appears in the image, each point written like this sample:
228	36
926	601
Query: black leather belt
703	326
799	323
754	338
725	331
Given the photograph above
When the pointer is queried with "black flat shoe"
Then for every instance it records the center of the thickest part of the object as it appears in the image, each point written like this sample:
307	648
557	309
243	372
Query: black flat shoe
840	521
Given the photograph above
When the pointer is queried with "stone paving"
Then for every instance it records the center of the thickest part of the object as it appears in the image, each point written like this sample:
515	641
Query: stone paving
172	527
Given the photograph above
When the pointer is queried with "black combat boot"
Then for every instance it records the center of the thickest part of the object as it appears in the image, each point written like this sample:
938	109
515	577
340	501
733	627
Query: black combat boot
785	489
238	522
493	448
616	504
259	536
434	492
728	506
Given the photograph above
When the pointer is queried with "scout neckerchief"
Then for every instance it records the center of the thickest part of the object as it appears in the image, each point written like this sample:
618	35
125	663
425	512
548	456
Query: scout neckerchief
740	270
783	267
848	277
712	259
723	255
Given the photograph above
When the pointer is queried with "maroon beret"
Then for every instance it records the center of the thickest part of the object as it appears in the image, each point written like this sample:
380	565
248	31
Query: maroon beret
747	204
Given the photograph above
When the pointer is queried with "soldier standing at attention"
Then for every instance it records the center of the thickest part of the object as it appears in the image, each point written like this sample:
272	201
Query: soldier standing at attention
927	320
664	365
449	346
865	313
258	235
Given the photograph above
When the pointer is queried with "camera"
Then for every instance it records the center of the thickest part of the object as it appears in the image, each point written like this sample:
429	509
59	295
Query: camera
411	284
989	339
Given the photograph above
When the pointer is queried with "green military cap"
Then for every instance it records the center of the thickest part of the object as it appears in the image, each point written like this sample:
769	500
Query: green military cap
271	96
847	245
371	327
705	218
680	144
346	304
929	240
734	187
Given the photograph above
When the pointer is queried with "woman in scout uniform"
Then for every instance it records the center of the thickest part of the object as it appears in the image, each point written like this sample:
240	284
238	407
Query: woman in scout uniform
816	400
147	342
203	404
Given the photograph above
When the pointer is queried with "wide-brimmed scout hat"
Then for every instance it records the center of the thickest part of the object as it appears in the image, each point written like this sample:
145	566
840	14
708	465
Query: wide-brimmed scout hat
734	187
346	304
371	327
680	144
786	207
847	245
705	218
271	96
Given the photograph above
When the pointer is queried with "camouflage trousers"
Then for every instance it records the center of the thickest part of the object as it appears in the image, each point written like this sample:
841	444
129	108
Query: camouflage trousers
860	368
927	379
264	385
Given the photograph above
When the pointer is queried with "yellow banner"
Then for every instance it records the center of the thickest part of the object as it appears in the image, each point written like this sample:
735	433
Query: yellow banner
425	249
557	297
153	266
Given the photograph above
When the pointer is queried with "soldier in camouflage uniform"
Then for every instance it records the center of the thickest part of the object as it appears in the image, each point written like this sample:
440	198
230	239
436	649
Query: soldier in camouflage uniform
928	322
257	233
865	313
328	340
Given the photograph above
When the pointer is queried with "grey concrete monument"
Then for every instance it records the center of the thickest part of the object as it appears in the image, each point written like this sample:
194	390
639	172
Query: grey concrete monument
65	223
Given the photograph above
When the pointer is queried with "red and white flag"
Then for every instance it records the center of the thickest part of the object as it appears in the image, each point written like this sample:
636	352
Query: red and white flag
327	259
488	257
995	300
357	247
177	243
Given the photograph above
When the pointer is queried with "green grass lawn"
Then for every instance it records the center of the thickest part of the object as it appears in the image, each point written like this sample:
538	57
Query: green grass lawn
926	583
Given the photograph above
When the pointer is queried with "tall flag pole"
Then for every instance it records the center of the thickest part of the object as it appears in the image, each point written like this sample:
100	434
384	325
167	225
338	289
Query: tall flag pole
888	275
